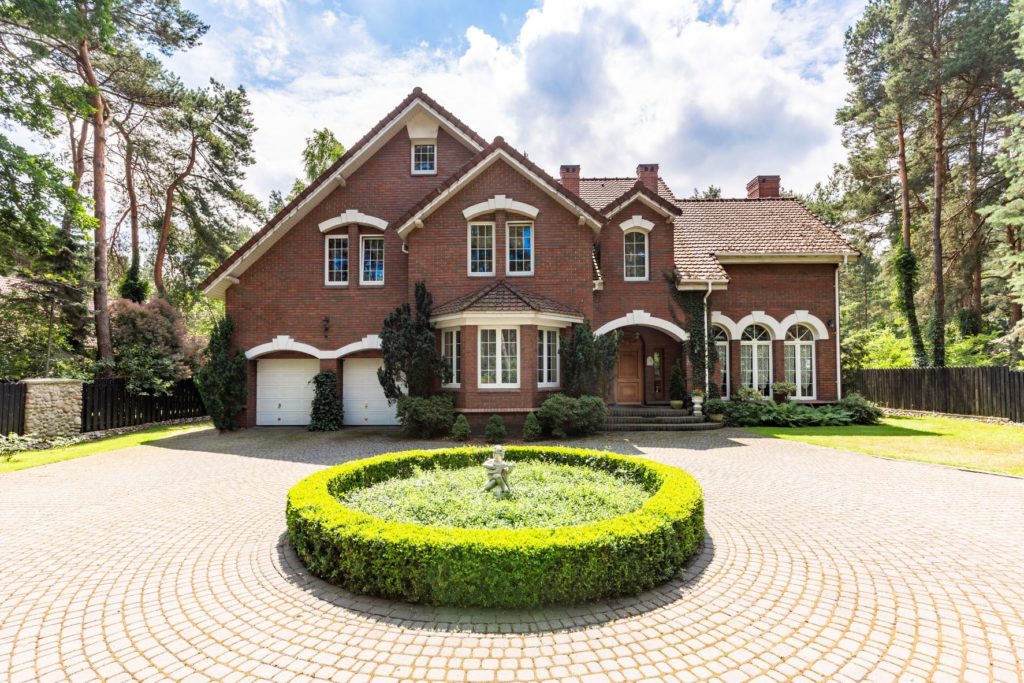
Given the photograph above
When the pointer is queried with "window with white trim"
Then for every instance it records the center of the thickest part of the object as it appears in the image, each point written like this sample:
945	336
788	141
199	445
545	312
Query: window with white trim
634	255
372	272
424	158
336	260
722	349
519	255
756	359
451	351
481	248
547	357
799	357
498	356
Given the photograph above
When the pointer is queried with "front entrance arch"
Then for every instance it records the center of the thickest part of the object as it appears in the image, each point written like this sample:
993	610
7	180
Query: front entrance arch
645	319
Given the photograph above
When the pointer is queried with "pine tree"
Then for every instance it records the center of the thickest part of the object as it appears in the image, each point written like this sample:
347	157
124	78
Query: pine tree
222	379
409	346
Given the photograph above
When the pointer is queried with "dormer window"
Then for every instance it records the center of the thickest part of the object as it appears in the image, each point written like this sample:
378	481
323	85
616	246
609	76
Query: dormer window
424	158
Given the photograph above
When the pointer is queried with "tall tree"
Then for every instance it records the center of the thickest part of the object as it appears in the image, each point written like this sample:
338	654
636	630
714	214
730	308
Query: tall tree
322	149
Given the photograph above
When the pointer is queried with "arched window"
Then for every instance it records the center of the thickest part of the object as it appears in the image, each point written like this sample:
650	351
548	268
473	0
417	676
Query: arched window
634	254
722	349
756	359
799	348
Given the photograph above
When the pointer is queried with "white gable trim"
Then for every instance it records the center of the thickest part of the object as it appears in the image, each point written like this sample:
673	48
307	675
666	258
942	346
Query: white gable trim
725	322
353	216
813	322
217	288
644	319
637	223
370	342
500	203
644	199
416	220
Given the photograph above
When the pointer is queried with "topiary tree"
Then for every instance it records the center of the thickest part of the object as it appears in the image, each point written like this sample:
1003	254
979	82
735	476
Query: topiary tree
676	385
588	360
222	378
326	415
495	430
409	346
531	428
460	430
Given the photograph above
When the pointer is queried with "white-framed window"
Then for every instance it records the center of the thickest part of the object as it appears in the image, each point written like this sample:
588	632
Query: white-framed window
498	357
451	351
424	157
547	357
480	249
634	255
372	271
336	260
756	359
799	357
519	248
722	349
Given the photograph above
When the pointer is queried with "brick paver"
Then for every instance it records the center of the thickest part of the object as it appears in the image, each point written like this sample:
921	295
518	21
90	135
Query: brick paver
168	562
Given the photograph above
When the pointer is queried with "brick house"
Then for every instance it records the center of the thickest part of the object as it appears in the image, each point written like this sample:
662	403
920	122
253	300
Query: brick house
513	258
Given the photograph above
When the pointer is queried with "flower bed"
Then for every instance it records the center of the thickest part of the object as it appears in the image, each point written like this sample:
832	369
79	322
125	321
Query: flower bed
511	568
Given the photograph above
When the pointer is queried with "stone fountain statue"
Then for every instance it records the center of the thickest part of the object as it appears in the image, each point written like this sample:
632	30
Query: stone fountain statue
497	473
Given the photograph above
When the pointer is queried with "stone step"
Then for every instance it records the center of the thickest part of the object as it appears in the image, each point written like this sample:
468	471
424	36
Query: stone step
646	411
678	418
656	427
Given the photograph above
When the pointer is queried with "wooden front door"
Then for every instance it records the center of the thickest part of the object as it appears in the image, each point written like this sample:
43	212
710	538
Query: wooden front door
629	383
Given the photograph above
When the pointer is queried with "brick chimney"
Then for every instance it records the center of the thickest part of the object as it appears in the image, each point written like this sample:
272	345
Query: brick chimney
648	175
570	177
763	186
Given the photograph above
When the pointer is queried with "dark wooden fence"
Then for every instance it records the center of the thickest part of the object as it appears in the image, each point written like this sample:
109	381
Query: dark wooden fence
12	408
992	392
106	404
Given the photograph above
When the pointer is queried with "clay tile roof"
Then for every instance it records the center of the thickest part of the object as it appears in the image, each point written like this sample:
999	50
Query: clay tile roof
504	297
600	192
639	188
775	225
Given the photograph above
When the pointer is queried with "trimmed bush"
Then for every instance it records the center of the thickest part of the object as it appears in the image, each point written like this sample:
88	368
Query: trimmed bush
861	410
789	414
531	428
714	406
460	430
676	385
561	416
426	417
506	568
495	430
222	379
589	415
326	415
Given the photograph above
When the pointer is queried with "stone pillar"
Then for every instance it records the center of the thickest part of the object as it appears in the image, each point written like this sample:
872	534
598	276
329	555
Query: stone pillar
53	407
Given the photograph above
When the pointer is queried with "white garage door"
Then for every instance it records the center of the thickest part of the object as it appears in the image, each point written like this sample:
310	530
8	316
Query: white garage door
364	400
284	393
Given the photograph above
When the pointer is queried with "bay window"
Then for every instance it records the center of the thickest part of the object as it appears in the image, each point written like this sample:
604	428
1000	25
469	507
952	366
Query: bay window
498	357
547	358
451	351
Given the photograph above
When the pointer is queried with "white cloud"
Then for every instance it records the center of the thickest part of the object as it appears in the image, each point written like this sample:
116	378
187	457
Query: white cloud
607	84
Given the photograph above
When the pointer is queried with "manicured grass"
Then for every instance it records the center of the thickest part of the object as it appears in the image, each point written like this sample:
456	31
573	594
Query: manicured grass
28	459
943	440
543	495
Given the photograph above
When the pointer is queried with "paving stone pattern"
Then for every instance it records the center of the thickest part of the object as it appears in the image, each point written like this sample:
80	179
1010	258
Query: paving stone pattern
168	562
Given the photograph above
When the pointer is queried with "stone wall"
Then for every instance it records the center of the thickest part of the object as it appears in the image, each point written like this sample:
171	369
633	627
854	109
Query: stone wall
53	407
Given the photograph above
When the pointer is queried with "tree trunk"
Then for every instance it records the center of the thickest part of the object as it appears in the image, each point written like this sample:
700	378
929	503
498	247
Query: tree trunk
938	332
104	345
66	260
133	202
1013	241
165	225
974	224
906	288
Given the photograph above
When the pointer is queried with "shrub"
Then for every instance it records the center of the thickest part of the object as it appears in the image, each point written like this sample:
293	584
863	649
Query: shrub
748	394
426	416
767	413
460	430
506	568
151	346
556	415
786	388
588	360
495	430
589	415
409	347
714	406
222	379
861	410
531	428
746	413
133	287
326	415
676	385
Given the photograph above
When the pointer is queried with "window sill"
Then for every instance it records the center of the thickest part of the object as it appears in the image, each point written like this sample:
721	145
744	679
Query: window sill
371	284
530	274
480	274
335	285
497	389
423	172
549	387
636	279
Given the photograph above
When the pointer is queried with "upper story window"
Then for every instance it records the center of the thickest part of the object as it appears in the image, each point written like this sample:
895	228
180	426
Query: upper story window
424	158
451	351
499	357
547	358
519	238
722	349
799	357
634	254
756	359
481	248
336	260
372	272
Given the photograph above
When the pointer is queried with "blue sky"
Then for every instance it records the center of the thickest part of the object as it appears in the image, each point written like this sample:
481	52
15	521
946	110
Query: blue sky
716	92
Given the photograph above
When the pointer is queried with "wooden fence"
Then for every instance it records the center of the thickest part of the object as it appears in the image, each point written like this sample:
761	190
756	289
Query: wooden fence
12	408
106	404
991	391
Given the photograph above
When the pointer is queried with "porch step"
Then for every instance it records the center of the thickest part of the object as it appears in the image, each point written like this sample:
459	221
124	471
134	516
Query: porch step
679	417
660	427
646	411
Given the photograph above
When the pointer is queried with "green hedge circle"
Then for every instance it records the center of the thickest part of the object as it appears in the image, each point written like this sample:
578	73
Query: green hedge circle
508	568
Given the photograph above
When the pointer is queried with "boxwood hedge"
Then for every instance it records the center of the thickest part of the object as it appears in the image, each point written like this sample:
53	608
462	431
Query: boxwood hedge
508	568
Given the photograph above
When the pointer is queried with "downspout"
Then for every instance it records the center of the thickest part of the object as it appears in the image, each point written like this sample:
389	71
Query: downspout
707	367
839	361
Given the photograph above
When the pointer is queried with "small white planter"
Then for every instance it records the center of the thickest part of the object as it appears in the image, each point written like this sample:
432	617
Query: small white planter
698	402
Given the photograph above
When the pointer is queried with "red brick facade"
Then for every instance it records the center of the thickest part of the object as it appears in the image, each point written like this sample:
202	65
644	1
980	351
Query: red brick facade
280	302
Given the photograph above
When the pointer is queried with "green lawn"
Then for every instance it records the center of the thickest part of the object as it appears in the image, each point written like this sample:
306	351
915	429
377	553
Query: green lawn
27	459
943	440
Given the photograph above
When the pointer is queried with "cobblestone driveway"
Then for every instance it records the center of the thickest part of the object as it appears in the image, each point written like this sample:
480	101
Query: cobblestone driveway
168	562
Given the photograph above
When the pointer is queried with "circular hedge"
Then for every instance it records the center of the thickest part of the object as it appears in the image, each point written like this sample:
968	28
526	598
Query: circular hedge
509	568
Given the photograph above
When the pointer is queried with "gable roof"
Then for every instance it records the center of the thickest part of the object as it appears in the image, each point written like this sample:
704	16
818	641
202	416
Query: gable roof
414	103
500	296
481	161
600	192
640	192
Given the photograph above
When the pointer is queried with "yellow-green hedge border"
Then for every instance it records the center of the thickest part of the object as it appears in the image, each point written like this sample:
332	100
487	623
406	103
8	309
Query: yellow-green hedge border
509	568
